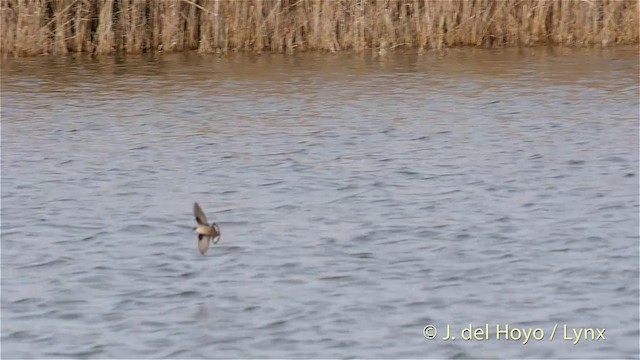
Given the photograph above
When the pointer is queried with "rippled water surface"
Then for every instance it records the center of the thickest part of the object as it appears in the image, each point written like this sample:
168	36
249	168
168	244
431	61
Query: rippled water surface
360	199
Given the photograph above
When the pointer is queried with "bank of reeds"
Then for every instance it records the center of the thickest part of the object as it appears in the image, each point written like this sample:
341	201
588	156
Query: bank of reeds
34	27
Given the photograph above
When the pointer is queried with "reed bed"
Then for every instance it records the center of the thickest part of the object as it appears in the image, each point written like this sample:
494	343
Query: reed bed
36	27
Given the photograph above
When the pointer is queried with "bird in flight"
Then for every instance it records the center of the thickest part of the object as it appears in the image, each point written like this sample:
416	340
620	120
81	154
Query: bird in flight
206	233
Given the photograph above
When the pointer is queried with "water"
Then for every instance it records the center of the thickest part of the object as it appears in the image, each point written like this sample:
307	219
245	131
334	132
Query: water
360	199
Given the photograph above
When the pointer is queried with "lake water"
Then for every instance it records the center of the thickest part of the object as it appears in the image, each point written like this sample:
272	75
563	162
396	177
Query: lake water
360	199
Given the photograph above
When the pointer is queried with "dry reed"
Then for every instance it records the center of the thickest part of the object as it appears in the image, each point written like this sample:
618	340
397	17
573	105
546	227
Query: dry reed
34	27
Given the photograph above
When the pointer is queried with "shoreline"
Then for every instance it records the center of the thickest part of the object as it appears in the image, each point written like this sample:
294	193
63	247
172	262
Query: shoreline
107	27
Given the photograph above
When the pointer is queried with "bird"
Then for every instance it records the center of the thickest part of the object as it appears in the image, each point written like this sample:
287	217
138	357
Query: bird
206	233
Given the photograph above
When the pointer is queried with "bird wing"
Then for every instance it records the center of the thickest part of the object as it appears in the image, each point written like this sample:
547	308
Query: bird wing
201	219
203	243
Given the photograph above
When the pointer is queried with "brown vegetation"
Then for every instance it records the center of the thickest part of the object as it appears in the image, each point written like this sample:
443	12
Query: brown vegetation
33	27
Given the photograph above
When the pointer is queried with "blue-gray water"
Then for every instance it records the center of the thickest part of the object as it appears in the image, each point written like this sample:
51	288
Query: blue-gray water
360	199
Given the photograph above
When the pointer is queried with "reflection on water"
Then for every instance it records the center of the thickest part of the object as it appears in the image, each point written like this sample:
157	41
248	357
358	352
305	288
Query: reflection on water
359	199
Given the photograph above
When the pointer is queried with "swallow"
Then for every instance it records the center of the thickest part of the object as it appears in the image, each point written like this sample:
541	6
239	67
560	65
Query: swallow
206	233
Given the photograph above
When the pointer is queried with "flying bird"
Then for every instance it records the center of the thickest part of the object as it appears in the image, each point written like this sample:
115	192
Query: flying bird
206	233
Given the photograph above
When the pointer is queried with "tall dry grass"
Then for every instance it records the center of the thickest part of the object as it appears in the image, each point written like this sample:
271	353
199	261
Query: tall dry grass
33	27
